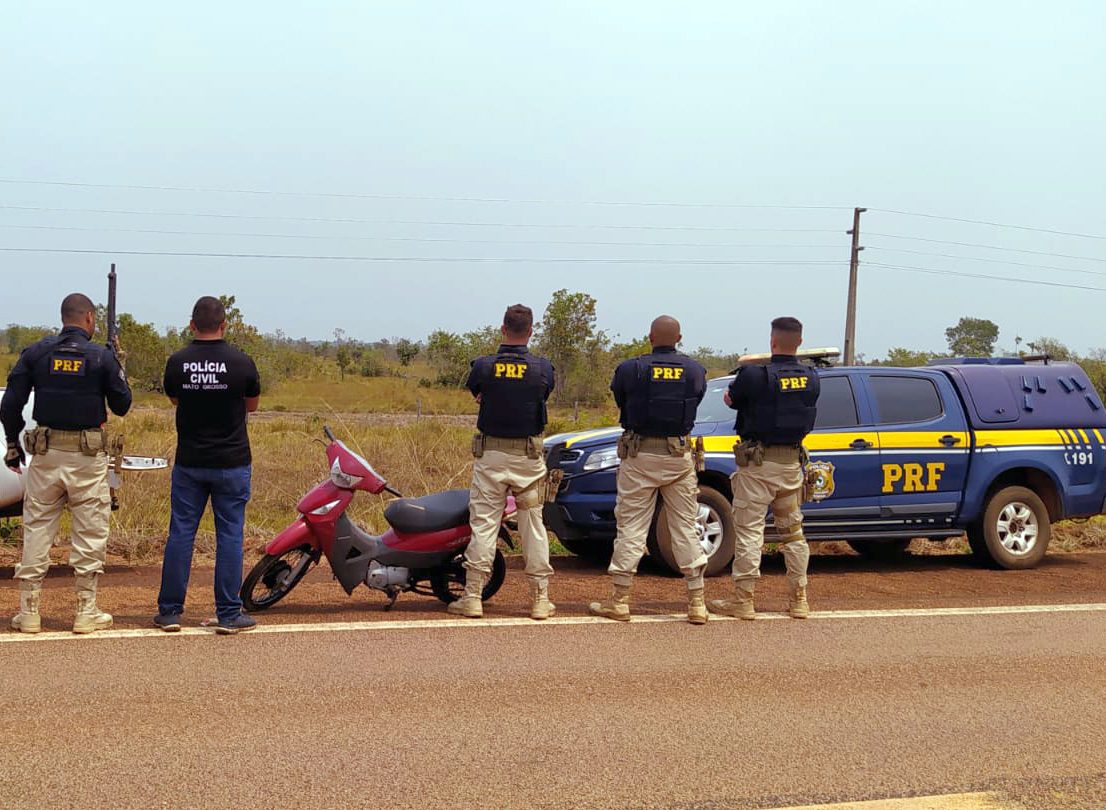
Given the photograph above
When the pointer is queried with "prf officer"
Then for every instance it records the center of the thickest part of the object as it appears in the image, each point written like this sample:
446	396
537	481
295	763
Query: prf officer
775	404
511	386
71	377
658	394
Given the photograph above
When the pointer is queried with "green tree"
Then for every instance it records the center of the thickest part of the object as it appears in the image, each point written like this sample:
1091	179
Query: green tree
634	348
146	351
17	338
903	357
343	352
406	351
568	337
972	337
451	355
1052	347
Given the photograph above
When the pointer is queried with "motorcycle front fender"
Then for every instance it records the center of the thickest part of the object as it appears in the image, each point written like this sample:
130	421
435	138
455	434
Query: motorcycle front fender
296	535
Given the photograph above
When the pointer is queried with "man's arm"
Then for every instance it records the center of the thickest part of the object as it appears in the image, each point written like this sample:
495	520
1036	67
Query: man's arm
618	384
473	381
15	398
252	395
169	383
737	394
118	392
551	379
699	386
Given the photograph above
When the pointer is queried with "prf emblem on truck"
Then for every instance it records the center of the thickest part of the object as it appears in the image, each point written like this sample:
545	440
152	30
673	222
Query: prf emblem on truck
819	474
912	477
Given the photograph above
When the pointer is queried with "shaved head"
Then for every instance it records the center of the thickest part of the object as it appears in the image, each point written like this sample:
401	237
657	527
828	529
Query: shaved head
665	331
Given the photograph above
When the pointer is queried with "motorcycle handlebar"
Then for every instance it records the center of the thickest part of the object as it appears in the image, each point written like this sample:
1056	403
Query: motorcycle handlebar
327	432
392	491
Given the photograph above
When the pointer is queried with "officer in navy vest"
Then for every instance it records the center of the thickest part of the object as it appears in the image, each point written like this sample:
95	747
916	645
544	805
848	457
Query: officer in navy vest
71	378
512	387
658	394
776	405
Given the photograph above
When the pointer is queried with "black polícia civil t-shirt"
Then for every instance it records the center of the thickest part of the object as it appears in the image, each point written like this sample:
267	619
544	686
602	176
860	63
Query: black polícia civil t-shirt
210	379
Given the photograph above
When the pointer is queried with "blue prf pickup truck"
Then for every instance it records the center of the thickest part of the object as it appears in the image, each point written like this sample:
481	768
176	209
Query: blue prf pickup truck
998	449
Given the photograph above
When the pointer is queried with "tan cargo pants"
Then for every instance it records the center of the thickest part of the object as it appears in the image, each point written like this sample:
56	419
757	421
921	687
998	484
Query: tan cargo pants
639	479
495	475
55	479
755	488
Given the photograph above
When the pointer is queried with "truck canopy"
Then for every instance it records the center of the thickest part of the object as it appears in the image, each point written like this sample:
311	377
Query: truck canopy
1019	395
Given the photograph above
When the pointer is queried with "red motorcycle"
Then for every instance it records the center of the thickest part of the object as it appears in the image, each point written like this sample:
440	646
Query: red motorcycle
424	545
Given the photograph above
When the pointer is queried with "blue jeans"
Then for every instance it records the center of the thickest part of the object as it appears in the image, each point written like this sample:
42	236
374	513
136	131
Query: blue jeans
229	490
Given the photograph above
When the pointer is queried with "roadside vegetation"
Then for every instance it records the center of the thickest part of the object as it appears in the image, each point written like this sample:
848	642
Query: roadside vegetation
402	405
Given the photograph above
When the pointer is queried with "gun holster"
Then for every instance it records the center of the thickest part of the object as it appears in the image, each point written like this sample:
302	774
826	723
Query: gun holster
478	445
553	483
89	447
748	452
37	441
810	477
699	453
628	445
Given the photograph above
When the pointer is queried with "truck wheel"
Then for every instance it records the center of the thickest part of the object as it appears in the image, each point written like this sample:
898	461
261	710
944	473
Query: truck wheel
716	533
1015	529
879	550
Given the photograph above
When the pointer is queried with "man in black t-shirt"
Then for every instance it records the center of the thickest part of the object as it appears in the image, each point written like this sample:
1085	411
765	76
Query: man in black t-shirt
214	386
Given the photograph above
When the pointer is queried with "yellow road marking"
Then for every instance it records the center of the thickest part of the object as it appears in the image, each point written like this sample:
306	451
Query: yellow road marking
952	801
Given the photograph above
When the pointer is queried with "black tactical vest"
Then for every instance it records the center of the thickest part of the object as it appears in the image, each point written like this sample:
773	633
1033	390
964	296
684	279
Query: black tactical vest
512	396
785	412
67	374
662	401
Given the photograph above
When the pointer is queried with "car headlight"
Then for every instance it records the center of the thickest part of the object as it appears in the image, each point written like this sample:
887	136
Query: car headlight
602	459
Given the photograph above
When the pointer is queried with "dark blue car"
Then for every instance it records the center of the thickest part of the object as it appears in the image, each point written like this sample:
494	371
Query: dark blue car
996	449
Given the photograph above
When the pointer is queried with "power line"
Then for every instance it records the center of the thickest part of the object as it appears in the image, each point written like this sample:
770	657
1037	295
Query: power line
991	261
416	222
991	224
936	272
350	195
989	247
459	259
411	238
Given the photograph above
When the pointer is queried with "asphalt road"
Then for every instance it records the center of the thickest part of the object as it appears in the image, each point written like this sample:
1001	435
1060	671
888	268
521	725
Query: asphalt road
646	715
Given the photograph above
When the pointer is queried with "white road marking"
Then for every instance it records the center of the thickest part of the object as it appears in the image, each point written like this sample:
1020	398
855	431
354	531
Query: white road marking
952	801
411	624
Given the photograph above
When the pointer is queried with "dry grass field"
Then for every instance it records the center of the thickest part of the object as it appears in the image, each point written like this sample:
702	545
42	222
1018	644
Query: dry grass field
416	436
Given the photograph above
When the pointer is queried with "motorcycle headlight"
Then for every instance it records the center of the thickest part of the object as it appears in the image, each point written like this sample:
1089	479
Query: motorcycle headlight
341	478
601	459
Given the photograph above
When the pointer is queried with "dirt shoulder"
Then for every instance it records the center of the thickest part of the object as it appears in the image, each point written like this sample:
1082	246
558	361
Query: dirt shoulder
837	582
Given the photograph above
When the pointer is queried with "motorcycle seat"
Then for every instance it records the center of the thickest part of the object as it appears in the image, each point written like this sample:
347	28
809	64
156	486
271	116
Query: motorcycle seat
430	513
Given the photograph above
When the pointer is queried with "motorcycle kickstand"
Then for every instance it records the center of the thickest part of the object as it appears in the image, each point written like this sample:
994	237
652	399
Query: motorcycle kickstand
393	595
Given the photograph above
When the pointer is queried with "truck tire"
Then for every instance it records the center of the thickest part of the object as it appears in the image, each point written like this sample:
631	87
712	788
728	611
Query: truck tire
716	533
879	550
1014	531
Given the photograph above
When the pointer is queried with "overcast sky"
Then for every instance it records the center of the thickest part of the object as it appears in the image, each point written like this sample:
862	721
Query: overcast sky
700	159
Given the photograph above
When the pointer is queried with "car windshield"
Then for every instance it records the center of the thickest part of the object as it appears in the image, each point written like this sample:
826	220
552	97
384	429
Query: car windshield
713	408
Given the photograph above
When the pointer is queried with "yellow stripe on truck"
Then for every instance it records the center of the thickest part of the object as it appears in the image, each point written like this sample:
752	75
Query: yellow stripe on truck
1010	438
921	439
594	434
814	442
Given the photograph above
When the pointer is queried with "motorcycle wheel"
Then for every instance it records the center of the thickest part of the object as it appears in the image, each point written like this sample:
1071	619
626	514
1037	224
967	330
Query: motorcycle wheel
448	583
274	576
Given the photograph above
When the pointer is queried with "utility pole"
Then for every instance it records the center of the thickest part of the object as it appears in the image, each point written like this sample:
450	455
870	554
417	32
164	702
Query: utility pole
850	308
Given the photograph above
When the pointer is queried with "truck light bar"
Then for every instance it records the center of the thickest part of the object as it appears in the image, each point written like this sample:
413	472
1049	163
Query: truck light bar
819	357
